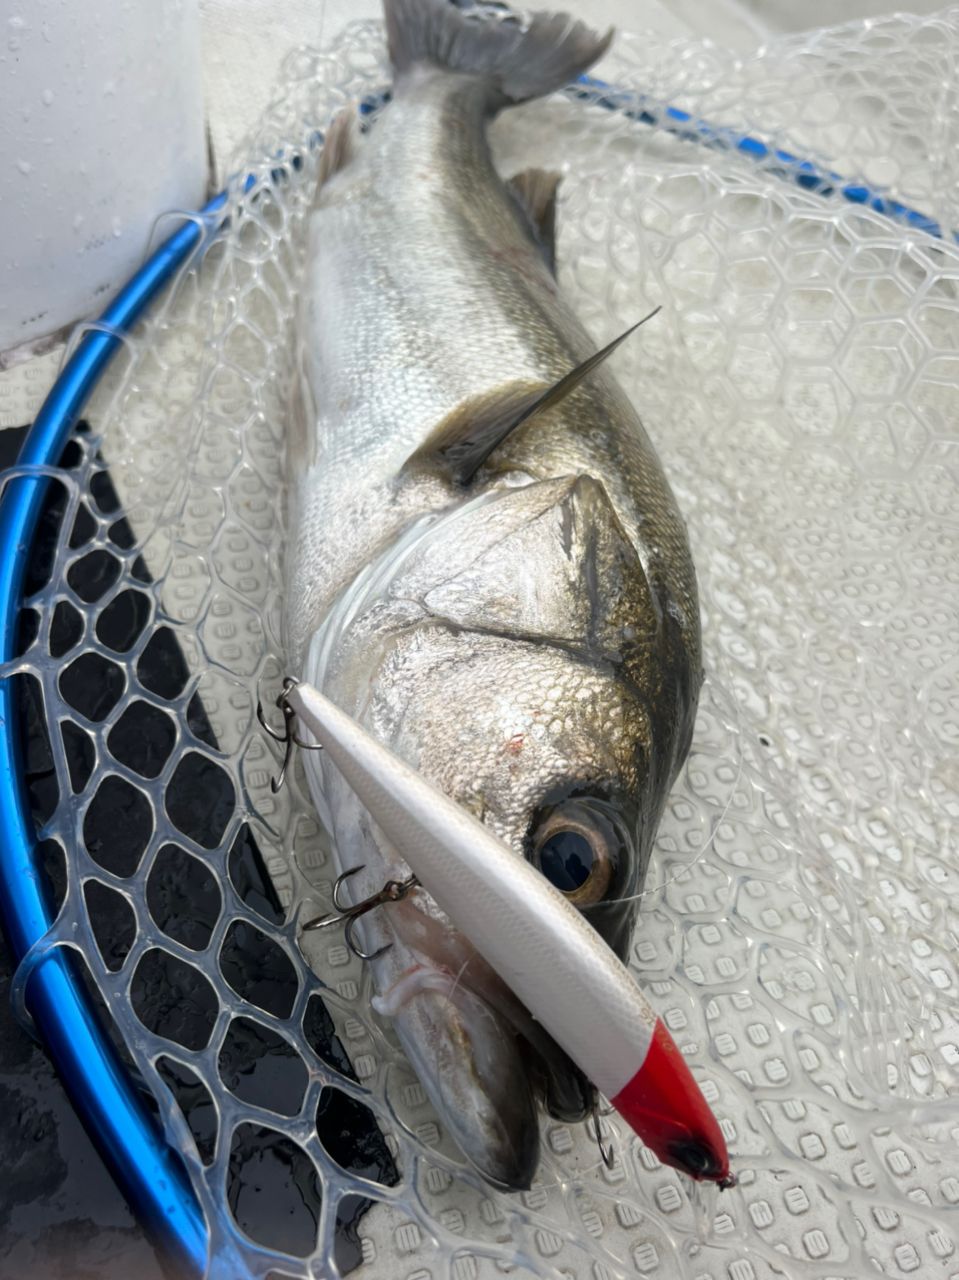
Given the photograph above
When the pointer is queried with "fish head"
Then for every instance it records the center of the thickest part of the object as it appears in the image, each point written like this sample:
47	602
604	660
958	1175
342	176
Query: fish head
541	681
516	656
550	751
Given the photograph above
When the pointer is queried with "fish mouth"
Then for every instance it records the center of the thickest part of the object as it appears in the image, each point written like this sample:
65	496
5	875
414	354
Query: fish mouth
470	1062
482	1058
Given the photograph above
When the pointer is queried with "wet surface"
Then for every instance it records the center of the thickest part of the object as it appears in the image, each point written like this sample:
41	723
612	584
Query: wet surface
61	1215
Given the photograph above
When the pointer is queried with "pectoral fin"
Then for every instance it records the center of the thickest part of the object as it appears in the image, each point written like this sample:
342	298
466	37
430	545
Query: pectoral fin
465	439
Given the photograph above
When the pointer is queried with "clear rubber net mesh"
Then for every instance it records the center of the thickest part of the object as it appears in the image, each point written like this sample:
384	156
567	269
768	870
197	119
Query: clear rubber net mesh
799	927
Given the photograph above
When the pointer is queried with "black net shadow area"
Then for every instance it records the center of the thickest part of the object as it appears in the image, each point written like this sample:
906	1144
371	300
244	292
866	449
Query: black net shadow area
169	888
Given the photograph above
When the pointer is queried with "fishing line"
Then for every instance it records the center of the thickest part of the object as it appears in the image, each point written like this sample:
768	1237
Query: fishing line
717	823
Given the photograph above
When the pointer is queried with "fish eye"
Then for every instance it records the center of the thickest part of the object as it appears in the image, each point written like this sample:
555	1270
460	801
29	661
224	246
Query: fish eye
566	860
575	856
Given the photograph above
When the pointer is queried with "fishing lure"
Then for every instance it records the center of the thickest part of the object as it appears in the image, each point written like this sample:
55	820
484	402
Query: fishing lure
540	945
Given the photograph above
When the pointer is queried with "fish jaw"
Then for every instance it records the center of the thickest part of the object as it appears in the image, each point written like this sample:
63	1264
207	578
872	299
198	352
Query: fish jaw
469	1062
432	987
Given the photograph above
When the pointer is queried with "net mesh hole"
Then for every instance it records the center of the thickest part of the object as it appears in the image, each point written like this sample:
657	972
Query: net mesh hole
161	668
93	575
113	921
273	1190
117	825
142	738
80	752
121	623
258	969
173	999
262	1067
251	879
349	1134
92	685
183	897
193	1099
66	628
200	799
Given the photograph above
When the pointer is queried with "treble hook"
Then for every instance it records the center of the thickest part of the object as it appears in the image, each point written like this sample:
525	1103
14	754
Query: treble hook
345	912
606	1148
289	738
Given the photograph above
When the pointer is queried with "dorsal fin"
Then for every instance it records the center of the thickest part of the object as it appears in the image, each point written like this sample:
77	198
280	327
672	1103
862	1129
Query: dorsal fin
466	439
535	192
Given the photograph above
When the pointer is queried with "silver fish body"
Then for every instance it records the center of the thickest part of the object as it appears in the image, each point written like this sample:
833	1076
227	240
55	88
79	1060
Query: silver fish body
529	641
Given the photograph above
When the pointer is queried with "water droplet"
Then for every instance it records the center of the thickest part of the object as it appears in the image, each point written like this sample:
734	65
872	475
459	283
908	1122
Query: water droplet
13	44
16	23
77	221
117	226
46	97
25	167
109	89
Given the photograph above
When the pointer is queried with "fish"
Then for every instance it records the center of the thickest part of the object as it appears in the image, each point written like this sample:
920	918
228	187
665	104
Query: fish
486	567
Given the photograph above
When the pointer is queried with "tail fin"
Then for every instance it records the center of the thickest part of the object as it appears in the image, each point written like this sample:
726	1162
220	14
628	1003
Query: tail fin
523	55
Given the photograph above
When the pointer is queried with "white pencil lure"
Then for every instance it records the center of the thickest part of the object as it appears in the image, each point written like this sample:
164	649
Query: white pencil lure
539	944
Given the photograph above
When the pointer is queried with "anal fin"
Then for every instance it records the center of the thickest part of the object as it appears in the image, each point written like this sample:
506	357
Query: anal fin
465	439
535	192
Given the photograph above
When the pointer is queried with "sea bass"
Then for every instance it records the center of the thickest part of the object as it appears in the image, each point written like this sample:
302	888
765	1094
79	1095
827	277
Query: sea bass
487	567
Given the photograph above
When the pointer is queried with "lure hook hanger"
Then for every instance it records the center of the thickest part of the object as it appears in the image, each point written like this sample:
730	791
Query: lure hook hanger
606	1149
289	738
348	913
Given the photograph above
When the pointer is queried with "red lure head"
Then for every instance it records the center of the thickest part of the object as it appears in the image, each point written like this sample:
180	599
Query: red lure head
665	1106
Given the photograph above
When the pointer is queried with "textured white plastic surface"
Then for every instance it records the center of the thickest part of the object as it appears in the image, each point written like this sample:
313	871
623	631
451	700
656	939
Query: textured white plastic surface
101	125
798	933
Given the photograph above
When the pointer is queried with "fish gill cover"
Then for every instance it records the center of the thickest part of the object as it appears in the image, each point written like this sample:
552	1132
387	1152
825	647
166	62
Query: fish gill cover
798	930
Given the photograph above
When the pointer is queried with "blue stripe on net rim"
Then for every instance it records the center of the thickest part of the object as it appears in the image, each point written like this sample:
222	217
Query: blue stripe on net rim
151	1174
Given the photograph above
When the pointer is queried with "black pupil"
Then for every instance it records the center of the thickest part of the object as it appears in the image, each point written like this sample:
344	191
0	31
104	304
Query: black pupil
566	859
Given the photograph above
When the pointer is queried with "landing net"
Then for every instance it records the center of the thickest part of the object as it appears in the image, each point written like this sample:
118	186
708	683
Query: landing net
799	929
